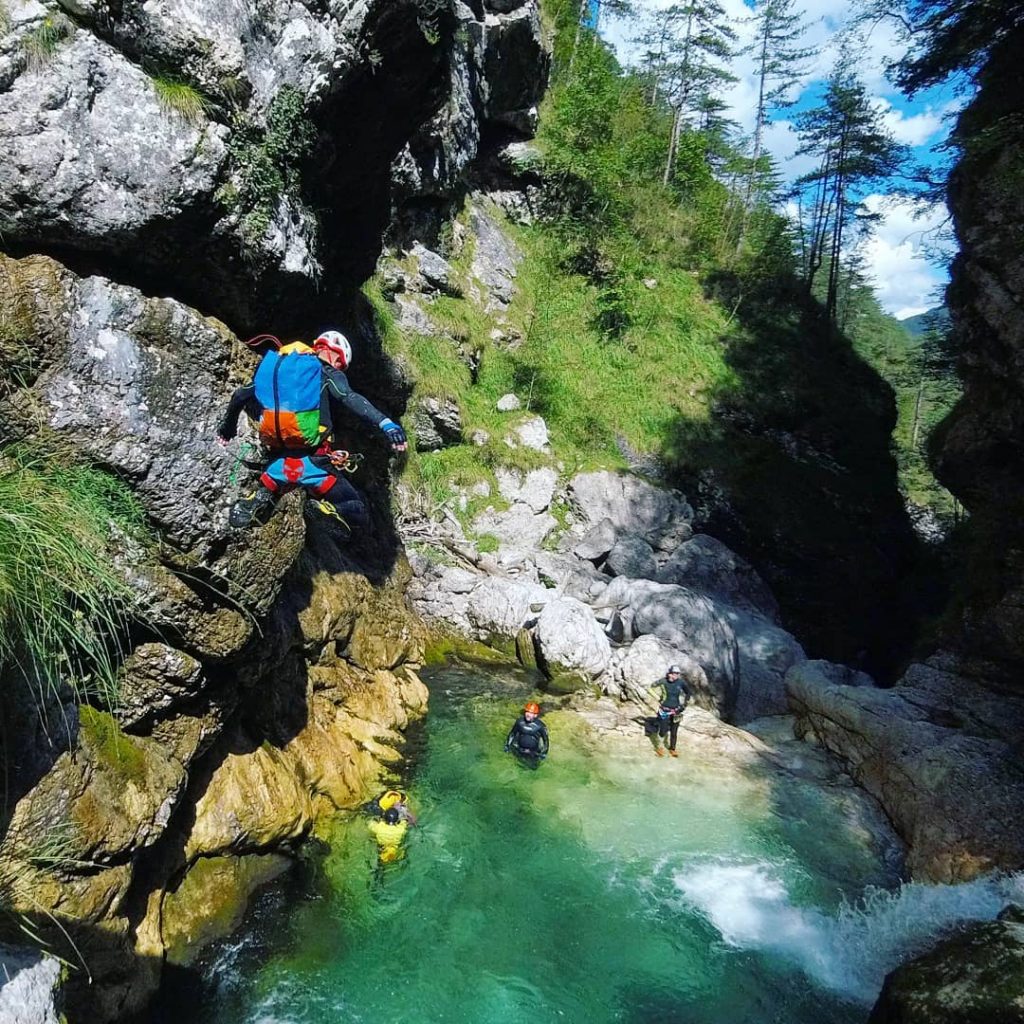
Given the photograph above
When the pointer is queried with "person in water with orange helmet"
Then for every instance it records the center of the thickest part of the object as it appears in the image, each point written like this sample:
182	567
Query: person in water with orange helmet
292	400
528	737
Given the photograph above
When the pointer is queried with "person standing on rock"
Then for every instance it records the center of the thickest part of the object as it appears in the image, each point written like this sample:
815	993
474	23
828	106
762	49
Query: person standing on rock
292	399
672	695
528	737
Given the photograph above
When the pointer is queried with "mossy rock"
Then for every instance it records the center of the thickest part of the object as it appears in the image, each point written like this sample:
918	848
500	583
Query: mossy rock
33	331
443	648
110	747
211	899
975	976
526	652
561	681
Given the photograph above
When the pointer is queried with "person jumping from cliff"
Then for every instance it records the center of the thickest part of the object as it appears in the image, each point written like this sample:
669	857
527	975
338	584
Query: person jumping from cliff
292	399
672	695
528	737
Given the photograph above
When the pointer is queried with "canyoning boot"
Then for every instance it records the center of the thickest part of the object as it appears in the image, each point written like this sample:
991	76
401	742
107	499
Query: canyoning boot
340	530
659	752
253	508
672	753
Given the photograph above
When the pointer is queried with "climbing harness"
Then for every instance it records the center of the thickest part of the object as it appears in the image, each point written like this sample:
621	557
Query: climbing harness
347	462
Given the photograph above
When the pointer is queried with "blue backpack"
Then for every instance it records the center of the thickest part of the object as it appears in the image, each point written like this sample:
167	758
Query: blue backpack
287	385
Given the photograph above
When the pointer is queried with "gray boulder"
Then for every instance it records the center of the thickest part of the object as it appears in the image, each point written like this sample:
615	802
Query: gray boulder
688	622
633	670
572	649
508	403
569	576
707	565
435	270
534	489
30	987
631	556
92	158
974	976
632	505
596	542
437	423
500	608
818	673
517	527
154	679
766	654
531	433
495	262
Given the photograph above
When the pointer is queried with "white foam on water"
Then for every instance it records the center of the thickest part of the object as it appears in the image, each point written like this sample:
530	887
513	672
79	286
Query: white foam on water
851	951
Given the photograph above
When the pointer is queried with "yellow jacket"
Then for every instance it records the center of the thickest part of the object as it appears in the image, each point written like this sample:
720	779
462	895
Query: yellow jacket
389	838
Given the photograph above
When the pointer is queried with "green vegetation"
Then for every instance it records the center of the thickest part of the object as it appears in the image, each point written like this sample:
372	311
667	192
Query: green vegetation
62	602
668	320
41	43
181	98
110	746
267	159
920	369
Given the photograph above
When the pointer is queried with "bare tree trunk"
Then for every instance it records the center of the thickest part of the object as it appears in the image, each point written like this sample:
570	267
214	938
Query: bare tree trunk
915	430
673	145
580	18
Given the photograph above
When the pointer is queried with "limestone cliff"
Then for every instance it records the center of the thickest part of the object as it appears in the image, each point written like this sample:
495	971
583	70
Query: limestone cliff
248	161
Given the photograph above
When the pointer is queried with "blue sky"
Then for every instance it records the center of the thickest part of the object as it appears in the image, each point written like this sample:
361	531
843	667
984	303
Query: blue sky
905	280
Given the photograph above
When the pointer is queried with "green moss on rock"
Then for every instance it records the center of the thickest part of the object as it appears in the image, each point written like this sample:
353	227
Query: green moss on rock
211	899
110	747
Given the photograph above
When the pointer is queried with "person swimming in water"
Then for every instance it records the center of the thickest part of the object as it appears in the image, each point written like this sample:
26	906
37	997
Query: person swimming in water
528	737
389	831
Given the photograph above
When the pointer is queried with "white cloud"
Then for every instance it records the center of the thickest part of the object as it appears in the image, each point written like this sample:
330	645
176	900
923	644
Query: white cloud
896	255
911	130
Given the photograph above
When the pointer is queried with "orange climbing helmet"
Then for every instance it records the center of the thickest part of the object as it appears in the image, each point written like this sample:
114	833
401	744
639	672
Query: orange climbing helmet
532	708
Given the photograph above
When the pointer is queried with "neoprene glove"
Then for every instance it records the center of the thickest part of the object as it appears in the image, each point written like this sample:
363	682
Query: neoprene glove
394	433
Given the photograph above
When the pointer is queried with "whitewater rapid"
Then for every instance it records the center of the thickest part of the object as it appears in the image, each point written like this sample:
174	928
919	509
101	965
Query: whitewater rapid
849	952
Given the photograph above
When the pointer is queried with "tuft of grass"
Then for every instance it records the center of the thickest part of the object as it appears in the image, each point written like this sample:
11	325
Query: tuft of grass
487	543
62	602
42	42
181	98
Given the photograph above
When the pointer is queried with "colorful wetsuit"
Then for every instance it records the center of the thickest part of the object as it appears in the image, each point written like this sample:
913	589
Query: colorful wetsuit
308	469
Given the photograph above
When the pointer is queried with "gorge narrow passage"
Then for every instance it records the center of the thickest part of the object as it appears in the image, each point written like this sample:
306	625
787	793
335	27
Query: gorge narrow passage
607	886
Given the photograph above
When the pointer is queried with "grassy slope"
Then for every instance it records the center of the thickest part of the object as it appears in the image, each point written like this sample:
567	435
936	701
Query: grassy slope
725	369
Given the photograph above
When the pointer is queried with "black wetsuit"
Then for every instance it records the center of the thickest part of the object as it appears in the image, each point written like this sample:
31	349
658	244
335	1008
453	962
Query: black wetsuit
672	699
529	739
332	485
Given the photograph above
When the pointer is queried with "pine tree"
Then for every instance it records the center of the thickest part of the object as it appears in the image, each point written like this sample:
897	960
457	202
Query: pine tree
780	63
700	46
947	37
853	149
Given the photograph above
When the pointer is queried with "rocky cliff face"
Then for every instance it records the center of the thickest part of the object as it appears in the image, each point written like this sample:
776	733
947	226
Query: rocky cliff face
248	160
979	451
243	157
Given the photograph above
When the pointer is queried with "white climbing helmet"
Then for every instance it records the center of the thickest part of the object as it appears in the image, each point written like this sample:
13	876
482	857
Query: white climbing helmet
337	347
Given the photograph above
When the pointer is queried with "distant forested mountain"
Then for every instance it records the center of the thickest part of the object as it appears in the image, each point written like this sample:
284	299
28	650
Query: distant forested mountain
917	325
